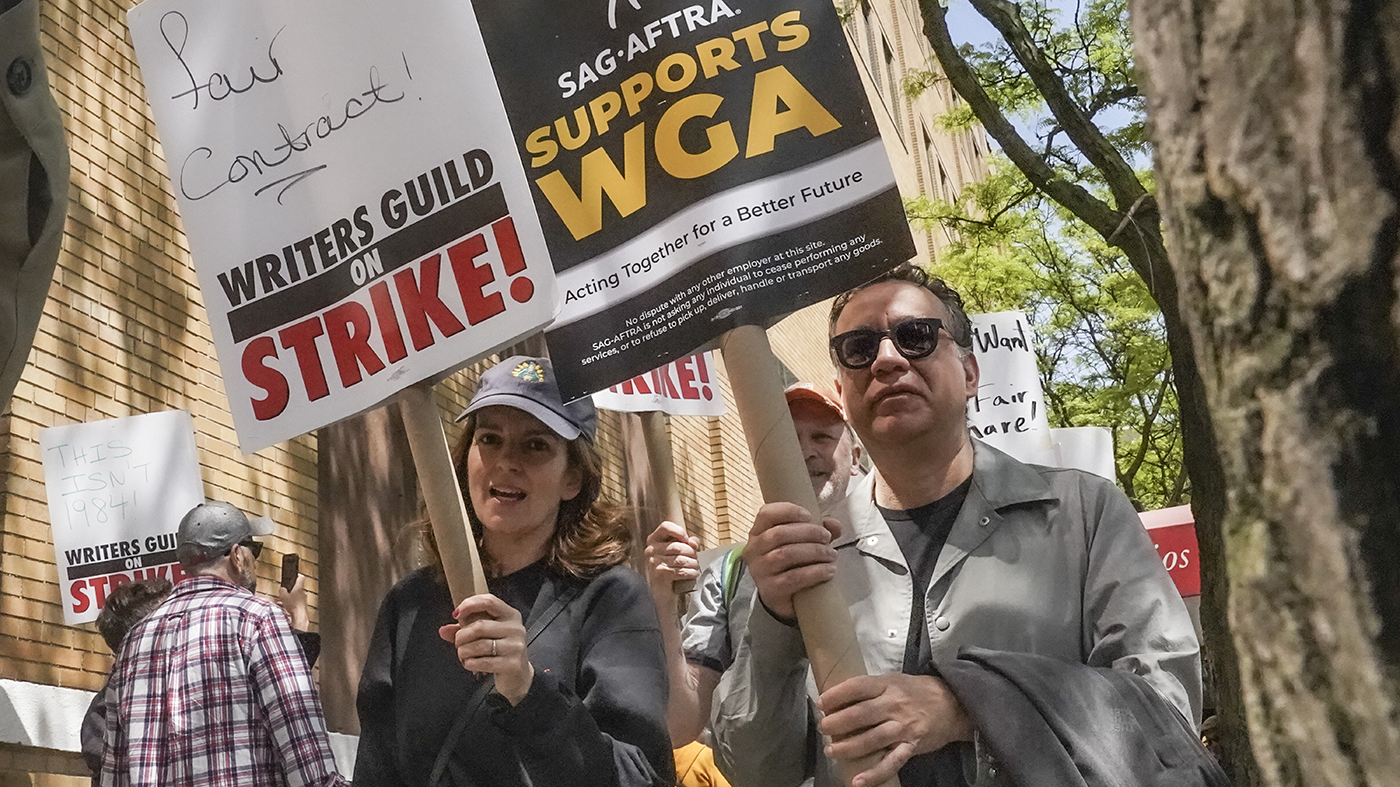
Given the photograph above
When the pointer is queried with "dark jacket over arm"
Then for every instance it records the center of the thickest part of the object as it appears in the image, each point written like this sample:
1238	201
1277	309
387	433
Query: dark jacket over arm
1044	721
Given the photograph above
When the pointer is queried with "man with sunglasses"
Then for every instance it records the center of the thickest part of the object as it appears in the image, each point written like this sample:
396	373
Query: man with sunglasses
951	544
212	688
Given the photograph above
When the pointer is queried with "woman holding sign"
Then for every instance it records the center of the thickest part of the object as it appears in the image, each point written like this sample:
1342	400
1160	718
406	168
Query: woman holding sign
555	677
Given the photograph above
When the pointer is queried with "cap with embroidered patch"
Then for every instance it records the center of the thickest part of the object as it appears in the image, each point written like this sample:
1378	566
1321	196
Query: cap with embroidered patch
528	384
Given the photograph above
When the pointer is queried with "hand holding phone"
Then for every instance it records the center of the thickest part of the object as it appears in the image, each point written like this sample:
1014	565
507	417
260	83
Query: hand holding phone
292	593
291	566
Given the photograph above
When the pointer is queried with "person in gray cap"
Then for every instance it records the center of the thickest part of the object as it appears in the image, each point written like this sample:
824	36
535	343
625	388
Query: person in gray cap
206	539
554	677
212	688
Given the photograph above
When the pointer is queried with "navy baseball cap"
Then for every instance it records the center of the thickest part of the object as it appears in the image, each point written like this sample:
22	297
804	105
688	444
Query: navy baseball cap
527	384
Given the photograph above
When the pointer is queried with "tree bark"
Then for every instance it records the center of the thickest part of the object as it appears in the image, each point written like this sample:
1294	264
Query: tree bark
1276	143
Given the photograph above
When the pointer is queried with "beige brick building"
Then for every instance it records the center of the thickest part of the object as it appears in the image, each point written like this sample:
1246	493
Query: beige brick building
124	332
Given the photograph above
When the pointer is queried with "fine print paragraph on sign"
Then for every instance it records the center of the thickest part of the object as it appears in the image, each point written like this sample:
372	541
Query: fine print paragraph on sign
718	288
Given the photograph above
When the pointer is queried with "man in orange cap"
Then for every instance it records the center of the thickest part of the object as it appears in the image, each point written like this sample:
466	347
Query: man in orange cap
698	655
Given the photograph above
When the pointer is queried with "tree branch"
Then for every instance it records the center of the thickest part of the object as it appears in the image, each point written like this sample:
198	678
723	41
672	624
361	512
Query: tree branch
1093	211
1149	417
1110	97
1006	18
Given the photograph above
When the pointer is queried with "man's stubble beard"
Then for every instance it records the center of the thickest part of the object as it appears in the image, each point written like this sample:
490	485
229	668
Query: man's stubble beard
834	490
249	577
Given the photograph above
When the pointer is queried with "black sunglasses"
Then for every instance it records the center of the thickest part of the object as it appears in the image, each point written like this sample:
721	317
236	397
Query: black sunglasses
253	546
913	339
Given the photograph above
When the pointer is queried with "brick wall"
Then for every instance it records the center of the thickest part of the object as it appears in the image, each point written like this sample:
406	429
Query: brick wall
123	333
25	766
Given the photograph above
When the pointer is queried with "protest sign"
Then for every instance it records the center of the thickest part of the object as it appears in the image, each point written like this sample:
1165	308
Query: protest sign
117	490
685	386
1009	409
1173	532
1087	448
700	169
356	213
696	166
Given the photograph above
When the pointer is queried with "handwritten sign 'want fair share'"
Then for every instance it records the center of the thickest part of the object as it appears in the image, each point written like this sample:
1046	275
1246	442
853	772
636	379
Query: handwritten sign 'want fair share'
1009	409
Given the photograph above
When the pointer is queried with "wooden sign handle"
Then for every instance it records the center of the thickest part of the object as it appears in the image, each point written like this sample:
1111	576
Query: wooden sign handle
441	492
663	473
827	629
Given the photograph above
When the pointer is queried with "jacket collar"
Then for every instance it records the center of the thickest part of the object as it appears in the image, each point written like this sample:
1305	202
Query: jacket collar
200	583
1005	481
999	482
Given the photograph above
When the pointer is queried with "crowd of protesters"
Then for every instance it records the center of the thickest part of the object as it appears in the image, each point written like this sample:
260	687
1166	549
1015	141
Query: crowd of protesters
1016	622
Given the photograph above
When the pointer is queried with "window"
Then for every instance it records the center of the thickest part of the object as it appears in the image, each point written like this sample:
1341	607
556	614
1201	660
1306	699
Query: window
895	97
930	159
872	60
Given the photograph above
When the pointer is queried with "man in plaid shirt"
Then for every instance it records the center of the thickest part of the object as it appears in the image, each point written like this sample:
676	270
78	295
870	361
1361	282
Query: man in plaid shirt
212	687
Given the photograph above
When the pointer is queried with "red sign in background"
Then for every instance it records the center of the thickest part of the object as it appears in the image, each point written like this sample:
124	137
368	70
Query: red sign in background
1173	532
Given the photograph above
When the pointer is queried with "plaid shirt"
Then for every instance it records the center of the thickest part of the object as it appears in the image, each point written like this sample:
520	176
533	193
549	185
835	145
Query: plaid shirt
212	689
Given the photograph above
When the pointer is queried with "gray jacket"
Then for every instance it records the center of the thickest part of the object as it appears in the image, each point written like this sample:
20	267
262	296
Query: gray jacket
1040	560
33	186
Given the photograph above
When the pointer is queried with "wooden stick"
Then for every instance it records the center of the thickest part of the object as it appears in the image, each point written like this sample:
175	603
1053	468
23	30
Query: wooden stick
441	492
663	473
822	614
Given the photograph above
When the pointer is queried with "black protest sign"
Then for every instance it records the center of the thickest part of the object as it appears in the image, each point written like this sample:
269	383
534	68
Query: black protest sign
694	166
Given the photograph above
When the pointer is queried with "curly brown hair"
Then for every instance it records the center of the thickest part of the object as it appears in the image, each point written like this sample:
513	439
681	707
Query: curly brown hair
593	531
128	605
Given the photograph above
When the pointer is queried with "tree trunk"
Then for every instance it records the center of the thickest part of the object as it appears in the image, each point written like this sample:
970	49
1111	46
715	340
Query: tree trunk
1276	145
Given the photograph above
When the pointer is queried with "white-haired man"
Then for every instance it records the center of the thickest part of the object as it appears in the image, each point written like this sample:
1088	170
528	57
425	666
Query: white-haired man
698	656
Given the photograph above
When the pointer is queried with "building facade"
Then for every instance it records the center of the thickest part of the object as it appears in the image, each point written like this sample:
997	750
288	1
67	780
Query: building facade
125	332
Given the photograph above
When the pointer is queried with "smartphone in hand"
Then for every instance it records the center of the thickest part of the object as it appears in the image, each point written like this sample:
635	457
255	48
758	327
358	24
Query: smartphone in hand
291	566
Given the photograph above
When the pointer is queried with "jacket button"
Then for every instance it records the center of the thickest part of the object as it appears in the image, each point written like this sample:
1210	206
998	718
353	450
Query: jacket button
941	623
19	76
984	521
894	633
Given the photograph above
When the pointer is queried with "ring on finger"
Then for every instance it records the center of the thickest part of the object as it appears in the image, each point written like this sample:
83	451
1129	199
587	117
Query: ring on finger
493	648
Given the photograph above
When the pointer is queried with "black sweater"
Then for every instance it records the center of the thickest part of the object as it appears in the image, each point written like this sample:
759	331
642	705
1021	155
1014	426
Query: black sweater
595	713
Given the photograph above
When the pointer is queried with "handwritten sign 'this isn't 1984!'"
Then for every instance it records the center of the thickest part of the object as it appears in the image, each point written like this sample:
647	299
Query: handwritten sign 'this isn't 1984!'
117	490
